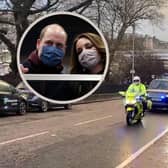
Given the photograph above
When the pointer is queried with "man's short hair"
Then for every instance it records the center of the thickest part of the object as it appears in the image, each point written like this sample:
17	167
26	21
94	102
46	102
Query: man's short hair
43	31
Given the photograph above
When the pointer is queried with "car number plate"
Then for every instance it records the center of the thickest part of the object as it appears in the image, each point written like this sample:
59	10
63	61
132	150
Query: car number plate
13	104
156	99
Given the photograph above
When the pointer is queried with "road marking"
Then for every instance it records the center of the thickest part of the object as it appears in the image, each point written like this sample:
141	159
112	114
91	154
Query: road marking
23	138
141	150
89	121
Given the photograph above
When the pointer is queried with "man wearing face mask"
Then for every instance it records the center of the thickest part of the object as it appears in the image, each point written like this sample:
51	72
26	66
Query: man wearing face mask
139	89
47	59
50	50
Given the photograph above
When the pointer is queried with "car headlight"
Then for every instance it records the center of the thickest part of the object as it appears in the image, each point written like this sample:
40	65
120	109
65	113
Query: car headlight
5	99
24	96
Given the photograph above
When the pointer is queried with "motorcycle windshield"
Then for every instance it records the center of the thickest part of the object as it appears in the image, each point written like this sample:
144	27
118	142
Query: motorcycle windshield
130	96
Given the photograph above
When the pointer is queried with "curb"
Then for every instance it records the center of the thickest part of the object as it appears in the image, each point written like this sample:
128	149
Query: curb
97	100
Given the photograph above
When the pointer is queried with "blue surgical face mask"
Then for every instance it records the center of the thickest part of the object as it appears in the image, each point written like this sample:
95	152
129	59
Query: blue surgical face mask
51	56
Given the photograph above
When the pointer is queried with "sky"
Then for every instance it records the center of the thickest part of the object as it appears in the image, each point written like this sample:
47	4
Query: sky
161	33
144	27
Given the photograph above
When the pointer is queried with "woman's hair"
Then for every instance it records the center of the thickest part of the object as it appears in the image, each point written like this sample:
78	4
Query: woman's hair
98	44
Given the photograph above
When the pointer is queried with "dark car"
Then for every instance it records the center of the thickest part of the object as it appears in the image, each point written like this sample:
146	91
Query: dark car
11	99
34	101
158	93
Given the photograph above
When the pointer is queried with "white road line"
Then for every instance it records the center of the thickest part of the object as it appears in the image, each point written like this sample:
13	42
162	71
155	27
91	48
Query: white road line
22	138
141	150
89	121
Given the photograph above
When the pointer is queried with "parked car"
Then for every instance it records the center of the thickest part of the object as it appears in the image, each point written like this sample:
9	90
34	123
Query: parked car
11	99
34	101
158	93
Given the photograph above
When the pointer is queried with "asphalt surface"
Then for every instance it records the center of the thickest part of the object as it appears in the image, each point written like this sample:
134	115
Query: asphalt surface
91	135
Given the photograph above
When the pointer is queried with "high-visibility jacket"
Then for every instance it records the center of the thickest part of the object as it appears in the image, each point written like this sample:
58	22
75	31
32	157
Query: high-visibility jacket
138	89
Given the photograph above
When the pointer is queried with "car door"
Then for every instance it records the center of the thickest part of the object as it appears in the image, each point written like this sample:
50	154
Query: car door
13	98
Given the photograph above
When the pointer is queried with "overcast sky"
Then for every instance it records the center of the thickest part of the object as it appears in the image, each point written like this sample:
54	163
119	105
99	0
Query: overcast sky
143	28
160	33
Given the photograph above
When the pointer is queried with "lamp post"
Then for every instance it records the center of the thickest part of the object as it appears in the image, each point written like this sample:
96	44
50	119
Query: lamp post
133	52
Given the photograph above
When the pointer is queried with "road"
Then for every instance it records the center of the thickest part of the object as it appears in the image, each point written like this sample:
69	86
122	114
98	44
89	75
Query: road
91	135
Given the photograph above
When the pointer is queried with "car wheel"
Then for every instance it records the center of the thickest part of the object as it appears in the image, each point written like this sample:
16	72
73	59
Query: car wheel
68	106
22	108
44	106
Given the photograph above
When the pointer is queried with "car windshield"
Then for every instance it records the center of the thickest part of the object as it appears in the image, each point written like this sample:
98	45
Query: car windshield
159	84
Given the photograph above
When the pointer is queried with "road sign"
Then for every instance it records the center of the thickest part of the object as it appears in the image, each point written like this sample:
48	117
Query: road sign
132	71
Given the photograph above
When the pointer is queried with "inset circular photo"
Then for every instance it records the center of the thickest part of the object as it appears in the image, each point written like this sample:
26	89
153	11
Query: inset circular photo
63	57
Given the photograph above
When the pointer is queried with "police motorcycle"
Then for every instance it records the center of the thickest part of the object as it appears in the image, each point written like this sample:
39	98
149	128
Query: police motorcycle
134	107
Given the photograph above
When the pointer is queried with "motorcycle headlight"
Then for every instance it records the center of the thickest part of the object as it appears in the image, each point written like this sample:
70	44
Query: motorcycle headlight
130	101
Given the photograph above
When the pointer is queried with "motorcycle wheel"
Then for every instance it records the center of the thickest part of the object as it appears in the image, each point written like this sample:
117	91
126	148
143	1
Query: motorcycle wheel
139	120
130	118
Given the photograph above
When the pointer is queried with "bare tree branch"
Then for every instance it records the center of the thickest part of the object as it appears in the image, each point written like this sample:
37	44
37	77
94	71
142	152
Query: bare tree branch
7	41
46	7
85	3
84	8
6	21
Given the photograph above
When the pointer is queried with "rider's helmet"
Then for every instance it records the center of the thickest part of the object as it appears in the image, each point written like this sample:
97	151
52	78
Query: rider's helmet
136	79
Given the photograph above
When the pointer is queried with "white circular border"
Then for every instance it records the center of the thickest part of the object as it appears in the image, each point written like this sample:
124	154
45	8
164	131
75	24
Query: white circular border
94	88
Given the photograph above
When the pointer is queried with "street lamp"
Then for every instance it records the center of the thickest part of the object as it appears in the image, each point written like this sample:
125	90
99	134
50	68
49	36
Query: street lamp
133	52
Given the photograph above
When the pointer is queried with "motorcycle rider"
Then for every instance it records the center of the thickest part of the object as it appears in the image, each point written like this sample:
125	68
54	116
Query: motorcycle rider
139	89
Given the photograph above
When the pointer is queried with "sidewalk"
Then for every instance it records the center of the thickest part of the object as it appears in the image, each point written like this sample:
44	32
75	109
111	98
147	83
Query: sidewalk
100	97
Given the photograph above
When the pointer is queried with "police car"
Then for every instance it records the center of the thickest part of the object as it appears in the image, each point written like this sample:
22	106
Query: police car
158	93
11	99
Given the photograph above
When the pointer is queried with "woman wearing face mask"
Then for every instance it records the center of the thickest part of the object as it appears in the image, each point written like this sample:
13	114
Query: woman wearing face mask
88	57
88	54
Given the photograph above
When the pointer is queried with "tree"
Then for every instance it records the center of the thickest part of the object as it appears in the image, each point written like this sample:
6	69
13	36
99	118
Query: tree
113	17
145	66
118	15
16	17
145	62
